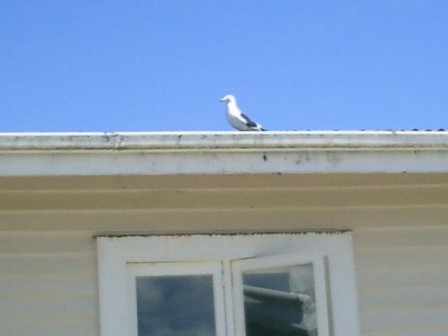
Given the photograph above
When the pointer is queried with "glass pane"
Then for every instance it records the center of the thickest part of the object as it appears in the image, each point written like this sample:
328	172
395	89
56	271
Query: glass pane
175	305
280	301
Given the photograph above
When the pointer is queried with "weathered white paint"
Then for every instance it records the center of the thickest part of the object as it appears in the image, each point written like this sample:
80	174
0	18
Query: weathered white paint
321	286
48	260
40	154
48	268
115	254
228	140
212	268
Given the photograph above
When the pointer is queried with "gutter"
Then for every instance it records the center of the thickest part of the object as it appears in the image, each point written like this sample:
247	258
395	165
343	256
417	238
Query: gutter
174	153
423	140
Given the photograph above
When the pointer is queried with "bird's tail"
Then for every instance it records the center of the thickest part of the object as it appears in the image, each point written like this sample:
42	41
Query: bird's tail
257	128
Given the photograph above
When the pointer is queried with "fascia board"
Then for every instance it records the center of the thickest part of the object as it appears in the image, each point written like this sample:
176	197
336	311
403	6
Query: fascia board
47	154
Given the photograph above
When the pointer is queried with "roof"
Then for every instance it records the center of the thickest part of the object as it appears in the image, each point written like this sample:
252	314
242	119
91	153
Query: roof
35	154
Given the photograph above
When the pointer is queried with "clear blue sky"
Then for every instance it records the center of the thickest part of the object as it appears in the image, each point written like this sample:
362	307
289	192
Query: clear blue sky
162	65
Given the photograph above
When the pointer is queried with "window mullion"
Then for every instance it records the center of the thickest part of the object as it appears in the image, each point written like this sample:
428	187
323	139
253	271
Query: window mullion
228	297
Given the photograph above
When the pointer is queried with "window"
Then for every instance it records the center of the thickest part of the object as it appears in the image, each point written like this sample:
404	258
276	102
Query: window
217	285
177	298
282	295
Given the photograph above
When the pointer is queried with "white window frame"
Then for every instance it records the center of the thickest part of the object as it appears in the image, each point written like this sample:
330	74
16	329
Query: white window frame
213	269
117	256
290	259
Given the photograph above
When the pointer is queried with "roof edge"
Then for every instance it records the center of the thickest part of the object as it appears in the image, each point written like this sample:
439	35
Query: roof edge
223	140
120	153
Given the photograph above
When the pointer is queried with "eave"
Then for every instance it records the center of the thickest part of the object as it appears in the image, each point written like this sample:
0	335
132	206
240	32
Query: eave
157	153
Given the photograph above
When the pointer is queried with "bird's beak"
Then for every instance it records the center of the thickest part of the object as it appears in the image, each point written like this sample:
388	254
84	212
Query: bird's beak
222	100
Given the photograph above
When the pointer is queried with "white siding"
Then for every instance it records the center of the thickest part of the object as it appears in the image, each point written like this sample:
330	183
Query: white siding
48	270
403	280
47	283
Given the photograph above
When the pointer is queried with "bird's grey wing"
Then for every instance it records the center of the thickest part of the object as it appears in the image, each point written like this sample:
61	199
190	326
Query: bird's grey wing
249	122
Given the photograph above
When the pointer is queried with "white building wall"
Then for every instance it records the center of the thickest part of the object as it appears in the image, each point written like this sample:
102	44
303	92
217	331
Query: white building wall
403	280
48	270
47	281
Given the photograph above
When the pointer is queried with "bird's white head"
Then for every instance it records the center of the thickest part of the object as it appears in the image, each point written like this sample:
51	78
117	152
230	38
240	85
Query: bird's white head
228	99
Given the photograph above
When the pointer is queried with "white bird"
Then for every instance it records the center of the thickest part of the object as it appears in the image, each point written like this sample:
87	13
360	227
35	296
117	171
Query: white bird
238	119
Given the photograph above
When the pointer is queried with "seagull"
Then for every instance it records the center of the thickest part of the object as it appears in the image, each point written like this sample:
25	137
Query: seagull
238	119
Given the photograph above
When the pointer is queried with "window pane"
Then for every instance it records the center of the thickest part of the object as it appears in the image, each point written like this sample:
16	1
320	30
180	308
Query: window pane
280	301
175	305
